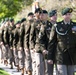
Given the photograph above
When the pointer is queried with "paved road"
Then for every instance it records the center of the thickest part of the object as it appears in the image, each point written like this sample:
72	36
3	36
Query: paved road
10	71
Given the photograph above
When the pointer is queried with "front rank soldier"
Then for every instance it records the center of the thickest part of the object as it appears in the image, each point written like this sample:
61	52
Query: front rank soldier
47	30
44	36
53	20
64	34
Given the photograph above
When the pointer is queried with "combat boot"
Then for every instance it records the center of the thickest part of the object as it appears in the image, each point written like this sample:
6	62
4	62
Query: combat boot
29	72
11	66
23	71
18	68
5	62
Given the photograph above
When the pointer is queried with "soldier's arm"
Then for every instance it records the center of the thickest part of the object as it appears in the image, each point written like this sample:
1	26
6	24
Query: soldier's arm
52	43
2	41
14	39
26	37
32	36
22	35
43	38
6	37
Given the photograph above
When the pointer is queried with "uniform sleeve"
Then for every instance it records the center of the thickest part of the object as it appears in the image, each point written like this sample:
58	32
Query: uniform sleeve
22	35
2	35
14	39
42	38
6	36
52	43
26	37
32	36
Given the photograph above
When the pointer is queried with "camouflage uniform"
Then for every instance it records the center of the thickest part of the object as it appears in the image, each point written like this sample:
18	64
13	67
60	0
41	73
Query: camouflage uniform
5	47
18	47
28	61
11	37
37	42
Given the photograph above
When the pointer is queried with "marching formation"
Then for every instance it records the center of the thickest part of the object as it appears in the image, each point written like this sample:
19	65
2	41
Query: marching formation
39	43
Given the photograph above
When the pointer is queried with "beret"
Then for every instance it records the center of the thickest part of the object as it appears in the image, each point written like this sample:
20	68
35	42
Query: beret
38	10
23	19
44	11
52	13
18	22
11	20
30	14
66	10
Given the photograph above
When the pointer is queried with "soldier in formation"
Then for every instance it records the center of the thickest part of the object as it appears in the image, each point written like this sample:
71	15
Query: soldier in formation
34	45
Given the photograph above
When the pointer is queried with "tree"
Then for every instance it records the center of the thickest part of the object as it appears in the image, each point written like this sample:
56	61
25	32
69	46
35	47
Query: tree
9	8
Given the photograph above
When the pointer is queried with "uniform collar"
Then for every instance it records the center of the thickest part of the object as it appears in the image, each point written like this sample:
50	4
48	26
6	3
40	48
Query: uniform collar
67	22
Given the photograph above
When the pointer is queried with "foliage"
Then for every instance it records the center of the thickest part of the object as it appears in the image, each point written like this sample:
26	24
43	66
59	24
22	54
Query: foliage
2	72
9	8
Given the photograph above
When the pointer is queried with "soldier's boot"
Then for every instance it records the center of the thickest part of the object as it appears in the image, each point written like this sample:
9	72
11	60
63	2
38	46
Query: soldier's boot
11	66
18	68
5	62
23	70
29	72
1	60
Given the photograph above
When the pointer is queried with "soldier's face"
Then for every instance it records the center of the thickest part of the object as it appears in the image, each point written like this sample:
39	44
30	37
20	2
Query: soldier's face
7	22
37	14
67	16
17	25
45	16
30	17
12	23
54	18
41	16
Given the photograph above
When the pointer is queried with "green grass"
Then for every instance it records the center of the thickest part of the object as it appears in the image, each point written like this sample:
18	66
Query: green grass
2	72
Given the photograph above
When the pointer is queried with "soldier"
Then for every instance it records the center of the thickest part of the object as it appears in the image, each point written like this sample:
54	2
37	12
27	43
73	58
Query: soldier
22	28
46	33
53	18
28	62
18	46
11	37
63	33
1	43
5	40
37	43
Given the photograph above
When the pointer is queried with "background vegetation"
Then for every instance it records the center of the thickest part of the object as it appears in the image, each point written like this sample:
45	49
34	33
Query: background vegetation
2	72
20	8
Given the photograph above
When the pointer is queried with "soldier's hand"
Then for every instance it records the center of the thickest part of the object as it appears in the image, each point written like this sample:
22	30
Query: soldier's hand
6	45
1	43
34	50
14	48
11	48
26	49
50	61
45	52
20	48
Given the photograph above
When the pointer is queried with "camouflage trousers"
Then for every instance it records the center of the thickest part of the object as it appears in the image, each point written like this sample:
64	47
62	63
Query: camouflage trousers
19	57
28	61
5	52
39	64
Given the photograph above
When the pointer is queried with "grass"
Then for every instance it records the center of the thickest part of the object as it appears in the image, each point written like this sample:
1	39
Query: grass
2	72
